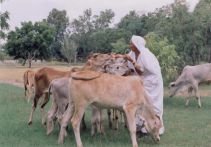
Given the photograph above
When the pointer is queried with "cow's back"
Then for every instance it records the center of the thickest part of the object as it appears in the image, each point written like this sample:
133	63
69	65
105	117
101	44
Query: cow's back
201	72
45	75
108	88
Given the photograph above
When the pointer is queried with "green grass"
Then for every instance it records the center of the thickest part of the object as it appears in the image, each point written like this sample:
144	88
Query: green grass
185	127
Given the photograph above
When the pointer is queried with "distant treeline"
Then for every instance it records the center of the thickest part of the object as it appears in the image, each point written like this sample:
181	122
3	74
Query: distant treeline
174	34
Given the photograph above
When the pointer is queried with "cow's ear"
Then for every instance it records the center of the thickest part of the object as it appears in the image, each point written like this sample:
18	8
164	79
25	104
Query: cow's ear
89	63
172	84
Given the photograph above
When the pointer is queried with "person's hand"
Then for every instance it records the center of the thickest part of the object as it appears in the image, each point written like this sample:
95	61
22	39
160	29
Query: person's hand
127	57
136	66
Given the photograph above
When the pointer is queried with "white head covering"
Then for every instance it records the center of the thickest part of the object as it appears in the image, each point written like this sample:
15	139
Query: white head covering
139	42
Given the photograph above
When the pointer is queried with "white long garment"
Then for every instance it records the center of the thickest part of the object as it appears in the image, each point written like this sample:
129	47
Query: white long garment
152	78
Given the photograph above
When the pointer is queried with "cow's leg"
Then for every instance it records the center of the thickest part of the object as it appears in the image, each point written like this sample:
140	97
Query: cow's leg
125	119
102	131
34	105
94	121
116	119
187	100
109	118
64	122
51	117
196	90
76	120
83	124
130	111
190	90
44	102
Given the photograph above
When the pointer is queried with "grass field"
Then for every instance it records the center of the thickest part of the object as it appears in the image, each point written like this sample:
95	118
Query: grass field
185	127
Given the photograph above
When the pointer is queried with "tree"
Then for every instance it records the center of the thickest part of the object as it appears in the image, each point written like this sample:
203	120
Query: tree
30	41
60	21
103	20
4	17
165	53
202	13
69	49
101	41
90	32
120	46
131	22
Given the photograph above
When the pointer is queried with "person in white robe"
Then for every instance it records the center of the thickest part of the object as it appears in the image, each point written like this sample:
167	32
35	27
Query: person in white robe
147	67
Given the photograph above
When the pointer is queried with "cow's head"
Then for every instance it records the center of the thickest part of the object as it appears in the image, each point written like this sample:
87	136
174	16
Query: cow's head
177	87
107	64
117	66
172	89
153	126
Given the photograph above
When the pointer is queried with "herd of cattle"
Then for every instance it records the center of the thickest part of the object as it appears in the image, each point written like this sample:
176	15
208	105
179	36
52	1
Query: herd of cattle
104	82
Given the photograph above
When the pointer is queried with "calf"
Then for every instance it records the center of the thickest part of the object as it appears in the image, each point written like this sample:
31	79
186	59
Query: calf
59	88
189	79
42	79
109	91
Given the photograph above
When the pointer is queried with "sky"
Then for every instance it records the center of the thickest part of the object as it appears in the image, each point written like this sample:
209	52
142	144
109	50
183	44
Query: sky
36	10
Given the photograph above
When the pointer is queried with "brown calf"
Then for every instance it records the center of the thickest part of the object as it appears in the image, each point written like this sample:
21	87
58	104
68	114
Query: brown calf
109	91
42	79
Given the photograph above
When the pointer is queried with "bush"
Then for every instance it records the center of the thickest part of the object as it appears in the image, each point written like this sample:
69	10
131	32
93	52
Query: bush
2	56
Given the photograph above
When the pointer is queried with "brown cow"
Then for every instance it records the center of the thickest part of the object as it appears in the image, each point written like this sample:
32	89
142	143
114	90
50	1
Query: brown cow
42	79
116	64
97	62
109	91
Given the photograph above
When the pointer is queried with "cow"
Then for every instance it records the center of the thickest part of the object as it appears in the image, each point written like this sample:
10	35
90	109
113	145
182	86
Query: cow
59	88
97	62
190	79
109	91
28	81
42	79
113	64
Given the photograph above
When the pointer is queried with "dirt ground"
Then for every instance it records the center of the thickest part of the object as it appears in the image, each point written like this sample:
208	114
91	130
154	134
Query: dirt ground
14	74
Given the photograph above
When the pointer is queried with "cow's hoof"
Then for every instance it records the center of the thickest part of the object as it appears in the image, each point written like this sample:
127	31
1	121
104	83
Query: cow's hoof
83	127
30	123
110	125
60	141
44	124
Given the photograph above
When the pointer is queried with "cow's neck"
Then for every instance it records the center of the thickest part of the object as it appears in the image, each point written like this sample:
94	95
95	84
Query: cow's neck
148	111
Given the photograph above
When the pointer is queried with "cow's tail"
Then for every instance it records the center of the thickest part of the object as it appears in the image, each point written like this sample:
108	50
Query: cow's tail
25	81
49	91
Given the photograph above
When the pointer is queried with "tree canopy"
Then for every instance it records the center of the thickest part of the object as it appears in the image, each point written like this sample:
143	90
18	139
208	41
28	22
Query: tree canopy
30	41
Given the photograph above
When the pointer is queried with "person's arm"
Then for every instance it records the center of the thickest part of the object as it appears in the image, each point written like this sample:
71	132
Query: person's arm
127	57
138	68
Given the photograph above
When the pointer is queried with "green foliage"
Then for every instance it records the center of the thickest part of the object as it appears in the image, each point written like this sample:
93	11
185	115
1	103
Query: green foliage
4	17
91	33
60	21
103	20
2	55
120	46
166	54
132	22
30	41
69	49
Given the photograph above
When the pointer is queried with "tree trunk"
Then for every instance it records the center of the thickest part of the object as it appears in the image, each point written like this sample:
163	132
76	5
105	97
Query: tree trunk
209	55
30	62
75	57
